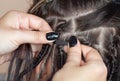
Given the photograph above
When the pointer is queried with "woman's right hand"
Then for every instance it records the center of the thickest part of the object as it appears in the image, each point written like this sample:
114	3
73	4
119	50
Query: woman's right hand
75	69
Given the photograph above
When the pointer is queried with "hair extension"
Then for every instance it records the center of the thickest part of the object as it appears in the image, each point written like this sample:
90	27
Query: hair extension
20	60
36	60
94	22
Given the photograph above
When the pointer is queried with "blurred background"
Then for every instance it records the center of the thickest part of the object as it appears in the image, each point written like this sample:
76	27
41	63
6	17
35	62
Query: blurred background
5	6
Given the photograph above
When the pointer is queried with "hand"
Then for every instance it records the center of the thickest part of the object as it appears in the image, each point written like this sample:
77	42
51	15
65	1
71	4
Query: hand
16	28
75	69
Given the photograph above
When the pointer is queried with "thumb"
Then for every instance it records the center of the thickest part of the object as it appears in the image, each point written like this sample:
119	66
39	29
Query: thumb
74	52
24	36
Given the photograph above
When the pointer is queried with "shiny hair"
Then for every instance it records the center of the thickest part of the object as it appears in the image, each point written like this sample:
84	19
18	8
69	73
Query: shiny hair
94	22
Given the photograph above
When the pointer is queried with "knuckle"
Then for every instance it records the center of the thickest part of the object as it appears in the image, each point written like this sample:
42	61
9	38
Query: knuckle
37	36
12	12
74	52
100	68
94	51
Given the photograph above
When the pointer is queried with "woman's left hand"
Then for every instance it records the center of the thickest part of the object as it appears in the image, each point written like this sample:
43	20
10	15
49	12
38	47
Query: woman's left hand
16	29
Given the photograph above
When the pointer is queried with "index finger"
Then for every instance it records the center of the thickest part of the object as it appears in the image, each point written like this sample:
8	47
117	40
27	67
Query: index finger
91	54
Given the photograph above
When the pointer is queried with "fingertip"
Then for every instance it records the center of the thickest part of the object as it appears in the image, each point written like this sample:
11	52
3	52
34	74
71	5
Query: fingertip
74	44
72	41
37	37
65	49
39	23
52	36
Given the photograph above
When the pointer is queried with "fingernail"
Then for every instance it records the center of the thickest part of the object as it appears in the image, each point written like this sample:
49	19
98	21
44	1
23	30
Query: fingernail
52	36
72	41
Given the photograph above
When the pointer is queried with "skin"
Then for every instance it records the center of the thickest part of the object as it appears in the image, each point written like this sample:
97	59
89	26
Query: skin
75	69
16	29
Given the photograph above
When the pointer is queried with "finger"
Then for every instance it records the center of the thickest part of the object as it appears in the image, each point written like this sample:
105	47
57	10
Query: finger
34	37
34	22
90	54
5	58
74	52
26	21
65	49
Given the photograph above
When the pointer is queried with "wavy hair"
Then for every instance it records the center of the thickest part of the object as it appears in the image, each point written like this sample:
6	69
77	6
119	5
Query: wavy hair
94	22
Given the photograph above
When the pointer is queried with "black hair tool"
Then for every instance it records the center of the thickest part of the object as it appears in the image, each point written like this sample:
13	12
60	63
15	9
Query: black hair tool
60	43
61	55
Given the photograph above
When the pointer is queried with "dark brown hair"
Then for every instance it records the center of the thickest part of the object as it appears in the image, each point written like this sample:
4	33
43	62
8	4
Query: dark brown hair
94	22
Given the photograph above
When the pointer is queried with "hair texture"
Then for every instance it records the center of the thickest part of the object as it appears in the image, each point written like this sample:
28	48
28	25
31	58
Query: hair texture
94	22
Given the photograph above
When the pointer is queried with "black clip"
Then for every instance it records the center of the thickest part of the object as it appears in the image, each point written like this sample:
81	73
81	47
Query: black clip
60	42
48	1
116	1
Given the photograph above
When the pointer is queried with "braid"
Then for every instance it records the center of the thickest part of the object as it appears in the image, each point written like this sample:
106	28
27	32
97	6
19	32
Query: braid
114	61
